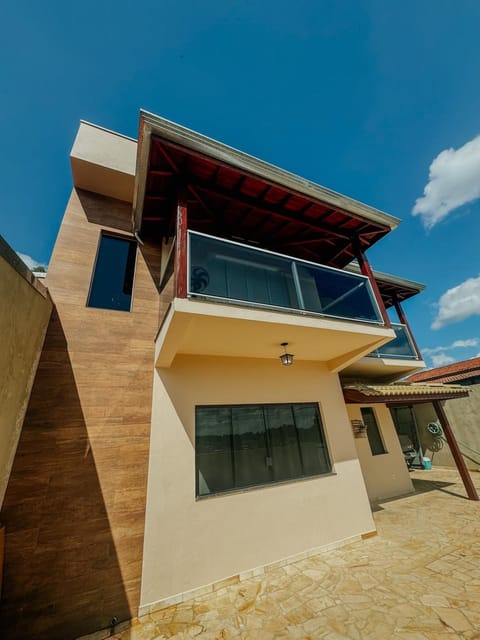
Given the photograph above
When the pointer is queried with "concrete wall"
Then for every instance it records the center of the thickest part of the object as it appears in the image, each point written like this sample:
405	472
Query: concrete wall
189	542
386	475
464	417
74	507
24	312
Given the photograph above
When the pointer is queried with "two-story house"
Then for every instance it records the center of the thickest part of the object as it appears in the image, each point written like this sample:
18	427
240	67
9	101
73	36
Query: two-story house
188	426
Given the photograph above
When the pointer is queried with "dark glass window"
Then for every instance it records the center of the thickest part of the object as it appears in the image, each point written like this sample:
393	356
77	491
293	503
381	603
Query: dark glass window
251	445
112	280
373	432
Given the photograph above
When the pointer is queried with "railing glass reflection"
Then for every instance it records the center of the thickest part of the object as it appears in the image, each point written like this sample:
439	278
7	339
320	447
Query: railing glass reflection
400	347
229	271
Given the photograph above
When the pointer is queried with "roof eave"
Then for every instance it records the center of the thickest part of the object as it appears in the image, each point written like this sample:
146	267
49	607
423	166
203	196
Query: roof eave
375	394
388	277
151	124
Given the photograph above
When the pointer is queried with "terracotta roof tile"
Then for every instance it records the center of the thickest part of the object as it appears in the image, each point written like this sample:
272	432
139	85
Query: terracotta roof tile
450	372
402	392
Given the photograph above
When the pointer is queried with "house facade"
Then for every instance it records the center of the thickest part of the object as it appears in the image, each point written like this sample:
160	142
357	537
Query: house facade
169	446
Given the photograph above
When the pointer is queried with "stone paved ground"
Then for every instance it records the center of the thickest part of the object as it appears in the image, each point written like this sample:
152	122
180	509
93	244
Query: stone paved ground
419	578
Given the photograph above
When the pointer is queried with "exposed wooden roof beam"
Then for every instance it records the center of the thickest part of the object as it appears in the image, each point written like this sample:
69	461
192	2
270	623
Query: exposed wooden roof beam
199	185
176	168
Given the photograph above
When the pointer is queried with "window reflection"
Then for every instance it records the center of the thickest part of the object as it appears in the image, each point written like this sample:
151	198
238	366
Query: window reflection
252	445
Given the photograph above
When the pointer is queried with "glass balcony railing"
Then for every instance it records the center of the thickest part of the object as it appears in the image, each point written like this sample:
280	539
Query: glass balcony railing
231	272
400	347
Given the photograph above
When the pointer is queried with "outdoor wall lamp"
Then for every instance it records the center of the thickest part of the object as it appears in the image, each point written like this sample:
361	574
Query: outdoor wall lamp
286	358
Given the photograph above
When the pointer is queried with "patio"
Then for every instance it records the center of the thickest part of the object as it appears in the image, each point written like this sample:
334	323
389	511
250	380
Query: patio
419	578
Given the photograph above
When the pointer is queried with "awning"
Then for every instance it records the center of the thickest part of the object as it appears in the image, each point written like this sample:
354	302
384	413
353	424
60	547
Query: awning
401	393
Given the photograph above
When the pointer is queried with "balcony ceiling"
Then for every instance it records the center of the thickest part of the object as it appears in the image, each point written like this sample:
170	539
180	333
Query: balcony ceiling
229	202
198	328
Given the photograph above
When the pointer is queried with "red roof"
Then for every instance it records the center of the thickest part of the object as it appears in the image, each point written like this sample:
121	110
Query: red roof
229	202
450	372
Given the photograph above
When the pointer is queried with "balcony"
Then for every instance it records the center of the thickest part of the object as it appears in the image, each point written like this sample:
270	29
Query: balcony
391	361
243	301
225	271
400	347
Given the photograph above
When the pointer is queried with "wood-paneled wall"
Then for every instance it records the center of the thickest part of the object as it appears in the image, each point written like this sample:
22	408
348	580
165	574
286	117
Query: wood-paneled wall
75	504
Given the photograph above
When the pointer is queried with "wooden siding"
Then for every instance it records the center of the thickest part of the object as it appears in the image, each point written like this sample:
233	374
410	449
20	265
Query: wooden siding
75	504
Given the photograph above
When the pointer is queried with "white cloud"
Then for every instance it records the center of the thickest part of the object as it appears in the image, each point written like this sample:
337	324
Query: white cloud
471	342
458	303
458	344
441	359
454	180
29	261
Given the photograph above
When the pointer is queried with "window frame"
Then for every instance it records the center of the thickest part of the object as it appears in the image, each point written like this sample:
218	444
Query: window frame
380	434
117	236
242	489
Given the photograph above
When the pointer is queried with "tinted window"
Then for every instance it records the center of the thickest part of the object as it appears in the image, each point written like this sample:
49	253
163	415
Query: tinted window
112	280
252	445
373	432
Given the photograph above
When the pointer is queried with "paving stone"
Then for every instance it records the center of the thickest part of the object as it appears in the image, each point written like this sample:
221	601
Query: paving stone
418	579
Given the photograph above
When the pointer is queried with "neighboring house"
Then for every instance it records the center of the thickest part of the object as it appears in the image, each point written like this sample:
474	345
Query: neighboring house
464	413
166	448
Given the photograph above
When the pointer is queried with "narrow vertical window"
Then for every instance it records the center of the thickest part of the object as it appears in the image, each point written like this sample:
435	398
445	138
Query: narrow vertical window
112	280
373	432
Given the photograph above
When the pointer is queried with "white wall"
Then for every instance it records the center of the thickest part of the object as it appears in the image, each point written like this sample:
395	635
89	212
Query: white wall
386	475
189	542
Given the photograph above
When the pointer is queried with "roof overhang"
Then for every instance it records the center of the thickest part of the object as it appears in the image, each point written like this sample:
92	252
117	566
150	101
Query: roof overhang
391	287
401	393
243	195
103	161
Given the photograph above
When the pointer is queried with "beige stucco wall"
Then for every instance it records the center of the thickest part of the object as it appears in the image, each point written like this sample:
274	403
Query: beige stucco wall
24	313
191	543
464	417
386	475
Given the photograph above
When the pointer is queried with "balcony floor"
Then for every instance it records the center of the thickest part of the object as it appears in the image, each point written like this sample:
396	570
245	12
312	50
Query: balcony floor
418	579
382	369
197	327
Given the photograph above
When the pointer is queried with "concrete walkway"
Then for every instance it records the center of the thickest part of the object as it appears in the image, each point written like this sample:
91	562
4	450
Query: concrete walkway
419	578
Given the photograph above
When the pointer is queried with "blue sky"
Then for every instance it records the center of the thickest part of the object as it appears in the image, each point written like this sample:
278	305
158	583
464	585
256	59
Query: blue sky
361	97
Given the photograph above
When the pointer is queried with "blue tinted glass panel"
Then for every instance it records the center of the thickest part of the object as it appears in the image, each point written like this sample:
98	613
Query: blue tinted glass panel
112	281
240	273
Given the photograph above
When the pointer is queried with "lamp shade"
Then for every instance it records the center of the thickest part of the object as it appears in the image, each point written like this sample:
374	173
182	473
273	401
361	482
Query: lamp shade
286	358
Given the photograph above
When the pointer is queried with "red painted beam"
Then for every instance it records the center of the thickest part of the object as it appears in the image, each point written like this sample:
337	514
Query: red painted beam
403	319
456	453
181	246
367	271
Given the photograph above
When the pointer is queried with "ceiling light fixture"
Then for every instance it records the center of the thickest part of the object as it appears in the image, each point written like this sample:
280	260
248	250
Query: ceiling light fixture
286	358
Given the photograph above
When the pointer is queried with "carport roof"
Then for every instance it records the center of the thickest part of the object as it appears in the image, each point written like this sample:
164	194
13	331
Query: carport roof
401	393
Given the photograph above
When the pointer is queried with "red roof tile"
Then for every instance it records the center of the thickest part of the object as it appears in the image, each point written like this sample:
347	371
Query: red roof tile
450	372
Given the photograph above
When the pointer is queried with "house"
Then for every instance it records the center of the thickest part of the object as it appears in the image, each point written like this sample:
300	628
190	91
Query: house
170	446
463	413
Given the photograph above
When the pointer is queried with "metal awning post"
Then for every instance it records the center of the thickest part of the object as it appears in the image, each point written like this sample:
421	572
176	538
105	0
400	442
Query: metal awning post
456	453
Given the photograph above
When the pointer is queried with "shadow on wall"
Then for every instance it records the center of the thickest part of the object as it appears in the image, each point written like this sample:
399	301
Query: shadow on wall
62	578
104	211
108	212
